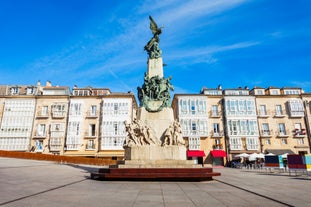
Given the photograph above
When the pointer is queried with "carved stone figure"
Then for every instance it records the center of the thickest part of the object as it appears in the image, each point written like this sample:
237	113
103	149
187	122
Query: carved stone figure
139	134
173	135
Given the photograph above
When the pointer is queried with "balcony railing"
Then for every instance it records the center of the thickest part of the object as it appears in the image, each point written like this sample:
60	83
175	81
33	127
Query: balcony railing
252	146
263	114
58	114
42	115
90	135
297	113
215	114
266	133
279	114
235	146
217	134
40	135
91	114
299	133
218	146
283	133
90	147
55	147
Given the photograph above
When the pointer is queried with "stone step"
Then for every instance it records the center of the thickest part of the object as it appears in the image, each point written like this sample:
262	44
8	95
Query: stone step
181	174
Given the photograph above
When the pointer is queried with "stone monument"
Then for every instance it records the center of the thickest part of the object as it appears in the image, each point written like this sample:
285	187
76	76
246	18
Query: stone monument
154	147
155	138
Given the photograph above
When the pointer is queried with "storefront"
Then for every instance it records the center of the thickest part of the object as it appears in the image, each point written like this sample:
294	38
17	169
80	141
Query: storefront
196	155
218	157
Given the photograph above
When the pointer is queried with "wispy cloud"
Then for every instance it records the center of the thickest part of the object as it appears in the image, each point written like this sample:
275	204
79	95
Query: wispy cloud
92	55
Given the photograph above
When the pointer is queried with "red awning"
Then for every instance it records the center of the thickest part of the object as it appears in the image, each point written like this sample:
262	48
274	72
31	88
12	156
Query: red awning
218	153
195	153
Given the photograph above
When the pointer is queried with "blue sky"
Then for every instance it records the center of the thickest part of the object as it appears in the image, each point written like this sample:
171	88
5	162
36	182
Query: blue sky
204	43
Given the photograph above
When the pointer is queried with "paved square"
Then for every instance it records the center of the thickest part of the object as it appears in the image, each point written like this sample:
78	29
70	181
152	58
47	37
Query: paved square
41	183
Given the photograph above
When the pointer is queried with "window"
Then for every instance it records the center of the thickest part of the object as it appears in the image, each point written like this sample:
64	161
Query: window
41	130
265	129
58	110
284	141
192	107
260	92
215	110
275	92
44	110
115	127
184	106
92	130
263	110
39	146
289	92
282	130
296	107
235	143
75	109
115	108
267	142
73	135
14	90
278	110
90	144
216	128
30	91
93	110
194	143
252	143
300	141
194	127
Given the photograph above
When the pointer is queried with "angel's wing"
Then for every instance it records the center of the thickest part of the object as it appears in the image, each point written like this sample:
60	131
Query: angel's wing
154	27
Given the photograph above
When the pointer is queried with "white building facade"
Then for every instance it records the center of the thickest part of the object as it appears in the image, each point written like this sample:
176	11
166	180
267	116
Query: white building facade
240	121
16	124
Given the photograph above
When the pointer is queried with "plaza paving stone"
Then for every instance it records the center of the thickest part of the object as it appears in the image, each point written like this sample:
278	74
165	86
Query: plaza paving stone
45	184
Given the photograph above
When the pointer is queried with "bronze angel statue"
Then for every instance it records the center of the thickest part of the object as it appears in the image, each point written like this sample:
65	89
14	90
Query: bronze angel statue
152	47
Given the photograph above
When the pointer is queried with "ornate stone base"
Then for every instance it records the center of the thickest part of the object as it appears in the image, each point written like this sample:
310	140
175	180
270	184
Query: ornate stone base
158	121
153	152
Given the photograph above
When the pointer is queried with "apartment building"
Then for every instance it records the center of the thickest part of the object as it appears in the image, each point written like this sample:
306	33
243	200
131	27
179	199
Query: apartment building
50	122
17	109
201	119
281	120
192	113
216	124
216	140
241	127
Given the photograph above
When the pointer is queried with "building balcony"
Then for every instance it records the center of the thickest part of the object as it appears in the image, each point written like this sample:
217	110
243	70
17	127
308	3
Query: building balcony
90	147
266	133
214	114
252	146
297	114
92	114
58	114
282	134
55	148
263	114
217	134
218	146
41	115
88	135
41	135
279	114
299	133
